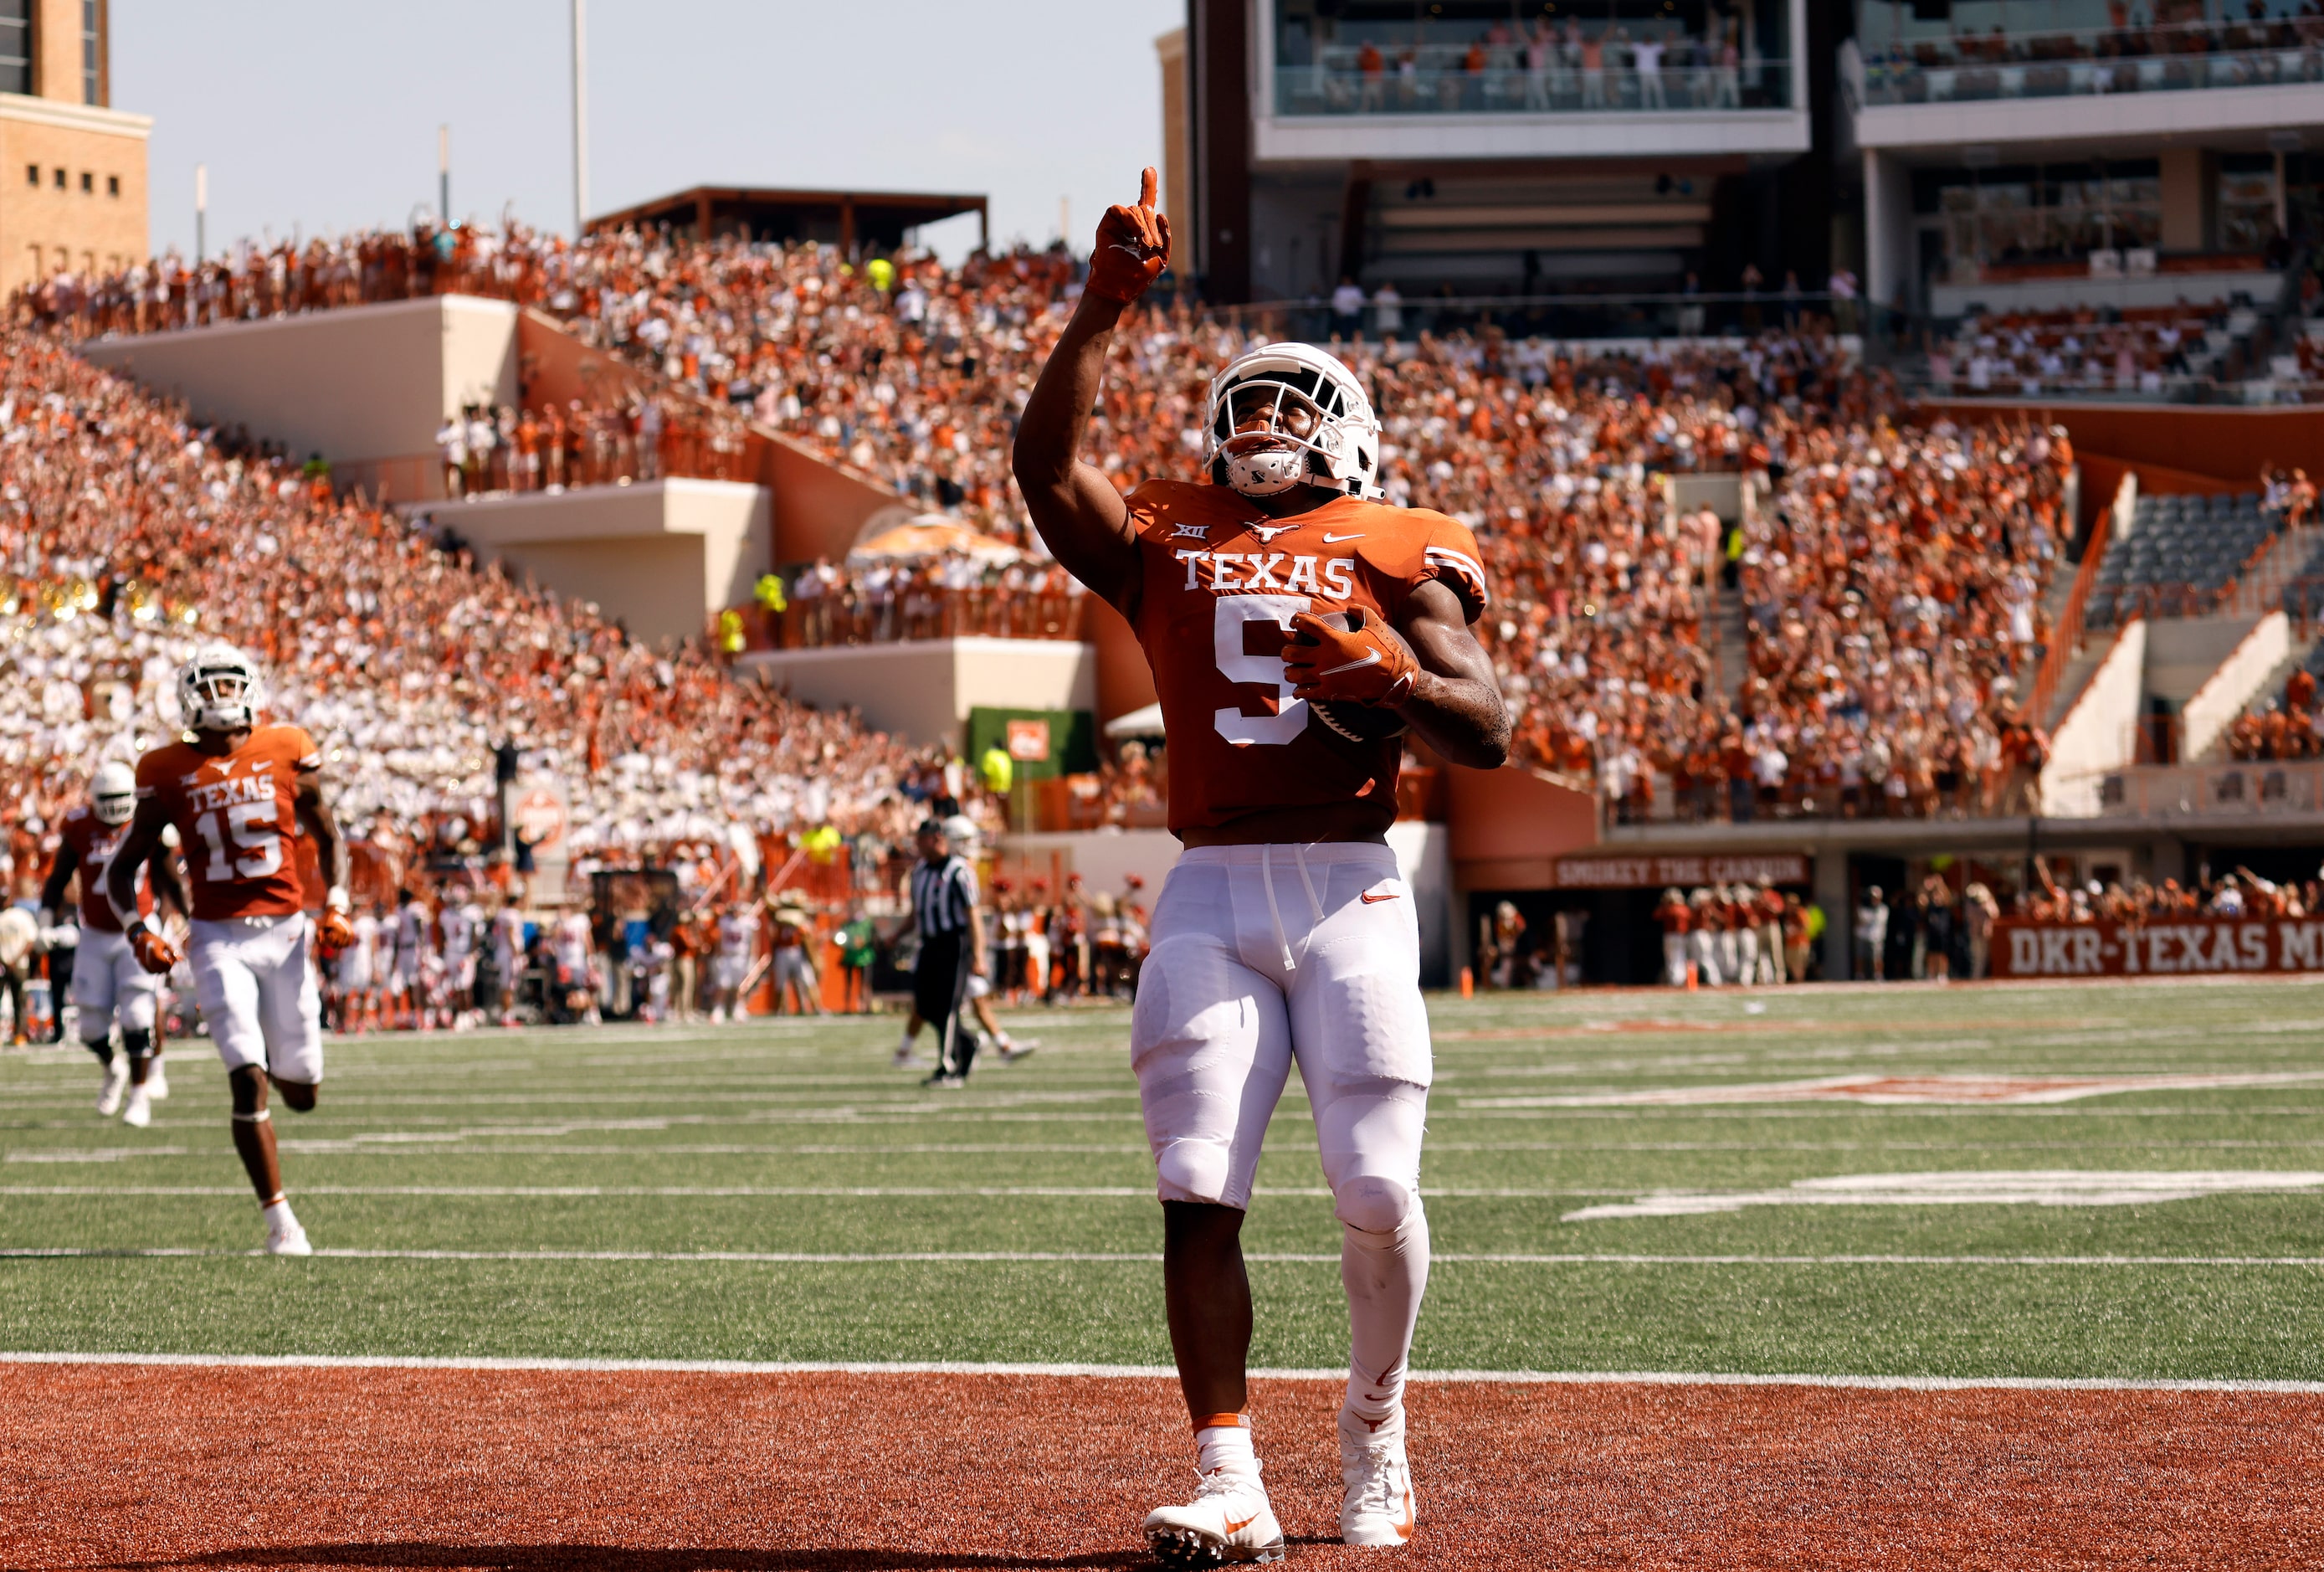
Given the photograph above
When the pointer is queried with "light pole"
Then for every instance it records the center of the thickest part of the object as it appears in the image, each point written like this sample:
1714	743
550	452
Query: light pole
201	207
580	117
444	175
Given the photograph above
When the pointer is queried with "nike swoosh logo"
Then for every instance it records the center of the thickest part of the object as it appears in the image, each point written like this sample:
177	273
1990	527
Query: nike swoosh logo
1236	1528
1335	539
1371	899
1404	1529
1373	659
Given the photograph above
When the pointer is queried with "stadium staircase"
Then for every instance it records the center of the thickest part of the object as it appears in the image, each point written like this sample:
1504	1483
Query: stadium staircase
1730	652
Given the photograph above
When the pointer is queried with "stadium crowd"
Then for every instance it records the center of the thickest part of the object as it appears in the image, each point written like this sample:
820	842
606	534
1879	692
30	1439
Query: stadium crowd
1890	577
125	535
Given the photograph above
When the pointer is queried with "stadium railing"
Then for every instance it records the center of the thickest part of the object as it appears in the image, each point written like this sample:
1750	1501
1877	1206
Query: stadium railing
2168	57
1551	317
1338	87
2232	787
2066	636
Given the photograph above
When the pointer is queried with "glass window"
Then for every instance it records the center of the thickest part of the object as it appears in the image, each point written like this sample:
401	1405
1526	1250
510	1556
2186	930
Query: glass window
92	55
15	46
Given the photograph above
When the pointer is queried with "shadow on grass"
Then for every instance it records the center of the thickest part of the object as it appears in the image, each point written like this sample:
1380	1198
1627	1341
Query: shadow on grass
624	1559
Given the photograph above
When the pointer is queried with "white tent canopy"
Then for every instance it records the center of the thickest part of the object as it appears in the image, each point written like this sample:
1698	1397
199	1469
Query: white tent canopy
1138	723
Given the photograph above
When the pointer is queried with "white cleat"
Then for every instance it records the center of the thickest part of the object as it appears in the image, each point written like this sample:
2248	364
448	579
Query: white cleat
1377	1509
905	1057
1228	1521
284	1234
157	1081
116	1081
139	1112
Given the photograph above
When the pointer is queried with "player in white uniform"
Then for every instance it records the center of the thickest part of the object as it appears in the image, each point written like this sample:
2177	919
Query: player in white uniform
406	971
572	949
738	940
459	923
109	986
357	972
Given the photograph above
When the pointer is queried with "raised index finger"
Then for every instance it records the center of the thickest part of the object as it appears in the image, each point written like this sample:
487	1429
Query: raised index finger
1145	187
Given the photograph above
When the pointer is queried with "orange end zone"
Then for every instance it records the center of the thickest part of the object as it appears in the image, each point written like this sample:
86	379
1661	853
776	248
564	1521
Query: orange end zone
155	1467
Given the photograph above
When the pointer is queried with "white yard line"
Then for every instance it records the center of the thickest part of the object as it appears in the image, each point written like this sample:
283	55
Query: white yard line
1452	1258
1933	1384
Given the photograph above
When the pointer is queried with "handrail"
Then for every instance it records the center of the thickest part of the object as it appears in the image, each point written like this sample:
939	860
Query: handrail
2066	637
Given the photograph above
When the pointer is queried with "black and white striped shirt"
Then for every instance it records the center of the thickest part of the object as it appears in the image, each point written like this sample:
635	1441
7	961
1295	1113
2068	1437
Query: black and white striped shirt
942	895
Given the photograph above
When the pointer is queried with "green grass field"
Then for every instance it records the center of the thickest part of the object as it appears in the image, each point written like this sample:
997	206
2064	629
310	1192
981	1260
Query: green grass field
571	1194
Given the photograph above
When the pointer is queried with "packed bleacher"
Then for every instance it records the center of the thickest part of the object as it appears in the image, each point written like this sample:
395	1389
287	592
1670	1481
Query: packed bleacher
125	534
1890	577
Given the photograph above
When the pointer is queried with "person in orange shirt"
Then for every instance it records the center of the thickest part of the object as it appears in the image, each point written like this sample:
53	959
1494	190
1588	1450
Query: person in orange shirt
239	794
1297	627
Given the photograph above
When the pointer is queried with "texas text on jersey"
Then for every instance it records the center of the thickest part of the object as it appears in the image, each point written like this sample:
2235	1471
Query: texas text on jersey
1219	584
236	816
93	843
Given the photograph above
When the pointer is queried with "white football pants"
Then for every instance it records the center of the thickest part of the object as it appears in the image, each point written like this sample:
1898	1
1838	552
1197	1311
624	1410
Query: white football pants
1265	956
256	983
110	987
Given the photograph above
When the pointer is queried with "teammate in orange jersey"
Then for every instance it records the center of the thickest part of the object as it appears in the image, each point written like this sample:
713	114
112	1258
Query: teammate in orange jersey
239	794
108	985
1297	628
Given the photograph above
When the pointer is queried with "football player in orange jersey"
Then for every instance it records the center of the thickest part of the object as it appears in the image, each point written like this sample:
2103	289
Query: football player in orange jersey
239	794
1297	628
108	984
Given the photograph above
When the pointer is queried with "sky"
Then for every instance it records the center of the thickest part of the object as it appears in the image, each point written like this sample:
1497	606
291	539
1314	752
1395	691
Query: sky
321	115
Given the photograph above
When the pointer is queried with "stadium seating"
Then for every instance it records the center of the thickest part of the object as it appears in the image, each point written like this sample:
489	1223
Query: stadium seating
2179	555
127	534
1552	453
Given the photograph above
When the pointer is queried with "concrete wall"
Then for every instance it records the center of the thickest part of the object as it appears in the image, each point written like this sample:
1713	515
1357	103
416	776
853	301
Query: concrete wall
2183	653
46	229
2100	732
2234	685
1722	494
923	689
662	556
367	386
819	507
2227	445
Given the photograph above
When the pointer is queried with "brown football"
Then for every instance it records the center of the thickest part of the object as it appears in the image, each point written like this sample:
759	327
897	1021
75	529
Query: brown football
1357	722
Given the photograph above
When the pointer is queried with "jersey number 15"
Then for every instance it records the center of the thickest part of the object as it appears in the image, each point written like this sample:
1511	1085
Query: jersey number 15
254	827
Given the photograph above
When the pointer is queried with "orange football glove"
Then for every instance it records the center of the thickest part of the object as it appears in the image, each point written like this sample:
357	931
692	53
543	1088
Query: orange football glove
334	931
156	954
1134	247
1365	663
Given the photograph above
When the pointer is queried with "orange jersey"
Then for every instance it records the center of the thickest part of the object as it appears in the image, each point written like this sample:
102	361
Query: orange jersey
235	814
93	843
1219	583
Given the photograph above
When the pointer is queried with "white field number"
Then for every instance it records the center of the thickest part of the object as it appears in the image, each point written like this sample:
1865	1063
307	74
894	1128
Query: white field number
1235	612
253	827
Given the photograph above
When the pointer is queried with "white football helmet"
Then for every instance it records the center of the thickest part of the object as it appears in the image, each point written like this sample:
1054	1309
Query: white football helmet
217	689
112	792
1289	414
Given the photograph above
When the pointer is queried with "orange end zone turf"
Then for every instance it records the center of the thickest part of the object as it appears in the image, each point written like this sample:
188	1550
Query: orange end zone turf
155	1467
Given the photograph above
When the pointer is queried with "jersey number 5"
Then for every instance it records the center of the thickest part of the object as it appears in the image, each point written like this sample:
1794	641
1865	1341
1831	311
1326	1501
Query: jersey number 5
1236	613
253	827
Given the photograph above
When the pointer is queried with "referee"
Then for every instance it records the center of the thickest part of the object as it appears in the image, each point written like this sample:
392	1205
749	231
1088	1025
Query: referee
950	930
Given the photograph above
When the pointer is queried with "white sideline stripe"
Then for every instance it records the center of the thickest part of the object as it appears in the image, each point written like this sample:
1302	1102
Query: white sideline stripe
1163	1373
847	1258
1082	1192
